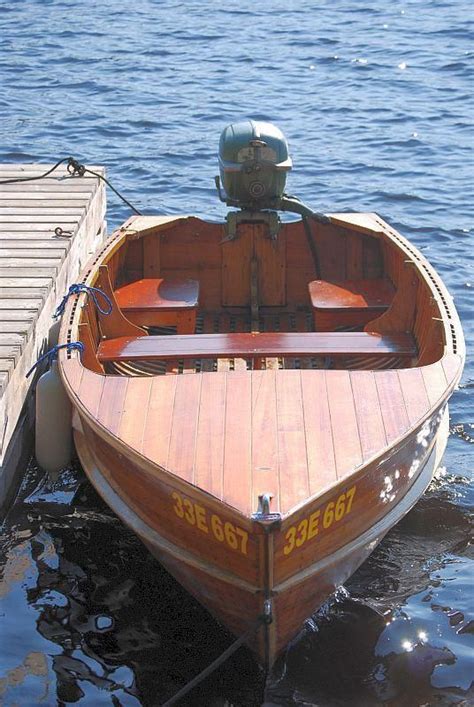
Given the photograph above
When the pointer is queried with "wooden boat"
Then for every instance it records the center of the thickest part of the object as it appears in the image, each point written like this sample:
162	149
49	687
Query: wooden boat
258	418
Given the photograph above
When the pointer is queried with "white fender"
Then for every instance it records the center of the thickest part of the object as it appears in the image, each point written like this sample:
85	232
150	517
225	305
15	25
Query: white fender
53	443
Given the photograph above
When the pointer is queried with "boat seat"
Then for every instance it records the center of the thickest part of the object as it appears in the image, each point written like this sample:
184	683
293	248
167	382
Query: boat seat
256	345
160	302
348	303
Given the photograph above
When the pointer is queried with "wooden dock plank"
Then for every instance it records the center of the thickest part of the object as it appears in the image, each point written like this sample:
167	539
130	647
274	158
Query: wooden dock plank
36	268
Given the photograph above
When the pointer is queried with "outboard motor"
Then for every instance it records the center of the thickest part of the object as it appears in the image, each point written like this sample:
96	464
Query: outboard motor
254	162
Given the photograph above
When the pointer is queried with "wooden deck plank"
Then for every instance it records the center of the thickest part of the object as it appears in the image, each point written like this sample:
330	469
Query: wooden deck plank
112	403
293	464
90	391
40	201
369	415
345	432
22	303
45	211
157	433
237	451
66	186
265	471
21	273
133	421
414	392
65	197
31	261
28	218
184	426
435	381
25	293
319	440
39	227
392	403
451	365
21	317
209	457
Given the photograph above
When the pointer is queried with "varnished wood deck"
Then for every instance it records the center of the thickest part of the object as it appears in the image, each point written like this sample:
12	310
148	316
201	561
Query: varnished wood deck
237	434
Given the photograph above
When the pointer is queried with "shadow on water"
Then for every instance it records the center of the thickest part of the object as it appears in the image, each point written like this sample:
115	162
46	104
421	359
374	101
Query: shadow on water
90	617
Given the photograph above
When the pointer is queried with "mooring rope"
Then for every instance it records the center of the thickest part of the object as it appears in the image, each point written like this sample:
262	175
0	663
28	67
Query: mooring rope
52	353
75	169
94	293
217	662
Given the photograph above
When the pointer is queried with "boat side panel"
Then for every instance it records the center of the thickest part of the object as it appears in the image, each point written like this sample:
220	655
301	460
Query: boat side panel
297	597
346	511
206	528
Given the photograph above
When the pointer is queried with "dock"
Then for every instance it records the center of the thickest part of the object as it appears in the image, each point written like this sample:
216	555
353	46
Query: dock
48	229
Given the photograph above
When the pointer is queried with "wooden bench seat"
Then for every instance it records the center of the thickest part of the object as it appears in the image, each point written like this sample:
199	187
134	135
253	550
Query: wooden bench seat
160	302
260	345
348	303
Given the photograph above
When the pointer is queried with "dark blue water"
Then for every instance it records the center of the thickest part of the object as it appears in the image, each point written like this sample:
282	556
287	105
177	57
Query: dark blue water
376	100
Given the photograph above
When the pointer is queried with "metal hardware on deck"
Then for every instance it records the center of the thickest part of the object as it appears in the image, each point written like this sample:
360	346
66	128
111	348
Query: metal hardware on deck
235	218
264	501
263	515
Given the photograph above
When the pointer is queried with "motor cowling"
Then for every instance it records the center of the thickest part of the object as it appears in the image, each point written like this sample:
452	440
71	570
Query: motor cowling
253	162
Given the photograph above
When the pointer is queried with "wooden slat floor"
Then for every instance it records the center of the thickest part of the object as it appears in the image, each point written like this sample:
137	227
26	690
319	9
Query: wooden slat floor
31	255
36	268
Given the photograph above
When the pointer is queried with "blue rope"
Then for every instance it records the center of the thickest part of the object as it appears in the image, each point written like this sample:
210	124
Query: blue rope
94	292
52	353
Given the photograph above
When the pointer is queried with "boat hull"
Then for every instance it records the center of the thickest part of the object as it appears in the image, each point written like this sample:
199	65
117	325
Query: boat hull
236	596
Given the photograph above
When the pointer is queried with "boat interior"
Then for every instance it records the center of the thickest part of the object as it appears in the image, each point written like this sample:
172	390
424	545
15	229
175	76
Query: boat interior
187	296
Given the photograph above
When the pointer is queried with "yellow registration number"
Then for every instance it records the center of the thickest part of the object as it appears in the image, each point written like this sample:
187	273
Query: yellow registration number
320	520
210	524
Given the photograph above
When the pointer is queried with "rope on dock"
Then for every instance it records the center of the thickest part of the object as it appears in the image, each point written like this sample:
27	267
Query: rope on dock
75	169
217	662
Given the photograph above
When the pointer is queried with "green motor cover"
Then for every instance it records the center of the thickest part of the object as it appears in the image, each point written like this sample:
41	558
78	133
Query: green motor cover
253	162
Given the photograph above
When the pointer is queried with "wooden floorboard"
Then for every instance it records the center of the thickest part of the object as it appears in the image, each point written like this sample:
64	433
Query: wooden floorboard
184	426
345	432
157	432
369	414
265	453
209	456
392	403
319	439
293	463
238	442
